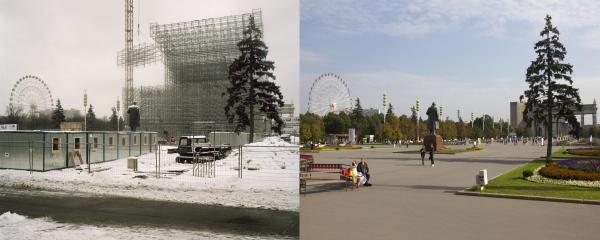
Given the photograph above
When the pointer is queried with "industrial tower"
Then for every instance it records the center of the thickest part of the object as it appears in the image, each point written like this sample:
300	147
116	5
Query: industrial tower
128	94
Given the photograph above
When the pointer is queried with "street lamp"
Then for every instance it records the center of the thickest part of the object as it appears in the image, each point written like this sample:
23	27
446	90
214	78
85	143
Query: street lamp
85	109
417	109
118	112
385	100
471	120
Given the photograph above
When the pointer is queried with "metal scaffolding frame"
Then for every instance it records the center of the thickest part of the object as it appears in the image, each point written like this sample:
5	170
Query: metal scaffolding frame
196	57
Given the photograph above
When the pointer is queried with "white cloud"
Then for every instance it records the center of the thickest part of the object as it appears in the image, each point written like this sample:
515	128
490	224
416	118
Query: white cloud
417	18
309	56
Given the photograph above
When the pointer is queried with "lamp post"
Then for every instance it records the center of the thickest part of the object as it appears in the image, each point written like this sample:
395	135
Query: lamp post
471	120
385	101
118	112
418	129
85	109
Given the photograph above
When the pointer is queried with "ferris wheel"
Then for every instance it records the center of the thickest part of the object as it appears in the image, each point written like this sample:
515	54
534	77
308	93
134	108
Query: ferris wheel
31	94
329	93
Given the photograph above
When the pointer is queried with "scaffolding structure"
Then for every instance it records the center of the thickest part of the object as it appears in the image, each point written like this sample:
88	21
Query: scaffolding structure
196	57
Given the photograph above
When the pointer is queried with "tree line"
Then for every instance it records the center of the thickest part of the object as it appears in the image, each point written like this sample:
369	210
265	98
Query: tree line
390	127
51	120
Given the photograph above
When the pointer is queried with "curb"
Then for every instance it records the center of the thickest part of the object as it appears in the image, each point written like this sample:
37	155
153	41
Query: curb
465	192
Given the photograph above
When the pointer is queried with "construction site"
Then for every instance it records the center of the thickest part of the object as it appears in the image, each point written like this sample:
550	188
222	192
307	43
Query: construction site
196	57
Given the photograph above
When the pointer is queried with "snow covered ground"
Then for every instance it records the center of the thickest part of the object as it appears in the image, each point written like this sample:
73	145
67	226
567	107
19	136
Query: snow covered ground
14	226
269	180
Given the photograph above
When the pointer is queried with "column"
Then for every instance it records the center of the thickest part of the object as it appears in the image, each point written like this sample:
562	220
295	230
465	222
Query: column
594	119
582	120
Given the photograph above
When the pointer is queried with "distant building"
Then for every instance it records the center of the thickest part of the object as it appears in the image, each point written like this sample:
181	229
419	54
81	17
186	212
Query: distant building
371	111
71	126
516	113
291	122
560	126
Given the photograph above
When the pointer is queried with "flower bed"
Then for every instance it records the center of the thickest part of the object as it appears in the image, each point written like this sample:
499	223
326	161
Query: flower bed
573	169
579	183
593	152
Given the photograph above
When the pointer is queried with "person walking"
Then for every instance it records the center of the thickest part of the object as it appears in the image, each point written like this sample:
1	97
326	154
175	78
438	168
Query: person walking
422	151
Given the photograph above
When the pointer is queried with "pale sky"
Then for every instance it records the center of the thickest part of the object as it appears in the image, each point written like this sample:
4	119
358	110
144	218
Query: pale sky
72	44
467	55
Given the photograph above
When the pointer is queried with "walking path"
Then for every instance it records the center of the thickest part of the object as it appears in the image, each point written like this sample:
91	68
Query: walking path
411	201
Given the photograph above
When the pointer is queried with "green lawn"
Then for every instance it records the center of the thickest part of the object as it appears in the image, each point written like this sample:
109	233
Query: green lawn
513	183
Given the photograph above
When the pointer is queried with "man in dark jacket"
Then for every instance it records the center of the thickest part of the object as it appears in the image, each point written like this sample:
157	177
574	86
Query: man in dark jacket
363	168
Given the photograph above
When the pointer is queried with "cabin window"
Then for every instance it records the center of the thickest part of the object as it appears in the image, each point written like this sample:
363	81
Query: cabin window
77	143
95	142
55	144
110	141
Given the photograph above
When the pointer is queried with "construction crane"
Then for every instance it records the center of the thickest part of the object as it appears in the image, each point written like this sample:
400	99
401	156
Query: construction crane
128	92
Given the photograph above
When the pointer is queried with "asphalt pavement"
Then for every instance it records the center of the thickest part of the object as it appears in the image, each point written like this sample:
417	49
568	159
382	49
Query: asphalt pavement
411	201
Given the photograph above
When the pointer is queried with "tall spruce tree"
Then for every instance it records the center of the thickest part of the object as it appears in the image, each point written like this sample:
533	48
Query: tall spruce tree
550	95
113	120
58	115
251	89
91	119
359	123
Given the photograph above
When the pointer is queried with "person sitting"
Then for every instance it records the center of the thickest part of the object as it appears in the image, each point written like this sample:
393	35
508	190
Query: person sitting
363	168
357	176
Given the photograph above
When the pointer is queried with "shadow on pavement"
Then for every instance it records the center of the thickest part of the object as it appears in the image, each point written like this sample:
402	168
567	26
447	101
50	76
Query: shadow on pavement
446	189
325	187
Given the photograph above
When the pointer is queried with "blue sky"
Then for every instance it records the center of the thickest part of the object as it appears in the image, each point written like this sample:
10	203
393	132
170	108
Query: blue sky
467	55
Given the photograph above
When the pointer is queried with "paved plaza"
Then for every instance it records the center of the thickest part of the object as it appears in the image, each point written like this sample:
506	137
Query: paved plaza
411	201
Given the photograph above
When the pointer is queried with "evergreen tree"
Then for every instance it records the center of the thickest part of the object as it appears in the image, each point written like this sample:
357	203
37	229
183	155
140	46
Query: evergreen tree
58	115
90	119
357	117
250	88
390	110
550	95
113	120
121	123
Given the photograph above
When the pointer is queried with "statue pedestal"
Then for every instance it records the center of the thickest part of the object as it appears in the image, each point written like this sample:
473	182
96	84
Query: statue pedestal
434	141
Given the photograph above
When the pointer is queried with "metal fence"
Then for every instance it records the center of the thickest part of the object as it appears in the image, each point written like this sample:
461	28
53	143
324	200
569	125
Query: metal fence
252	163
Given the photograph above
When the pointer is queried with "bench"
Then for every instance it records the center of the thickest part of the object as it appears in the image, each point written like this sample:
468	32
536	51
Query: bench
349	181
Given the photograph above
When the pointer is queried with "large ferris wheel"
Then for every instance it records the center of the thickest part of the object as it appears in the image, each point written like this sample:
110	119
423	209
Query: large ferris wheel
31	94
329	93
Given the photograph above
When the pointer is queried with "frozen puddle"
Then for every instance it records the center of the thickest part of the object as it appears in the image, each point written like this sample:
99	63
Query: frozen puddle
14	226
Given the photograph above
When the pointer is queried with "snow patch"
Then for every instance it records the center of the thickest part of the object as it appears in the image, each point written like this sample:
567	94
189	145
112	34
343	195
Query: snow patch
270	178
16	227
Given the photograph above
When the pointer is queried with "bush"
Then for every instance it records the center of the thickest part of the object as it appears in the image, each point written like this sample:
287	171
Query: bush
337	148
556	172
527	173
372	146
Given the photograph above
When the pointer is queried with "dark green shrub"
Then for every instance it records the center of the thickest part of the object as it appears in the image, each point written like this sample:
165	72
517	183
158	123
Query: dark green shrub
527	173
372	146
337	148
